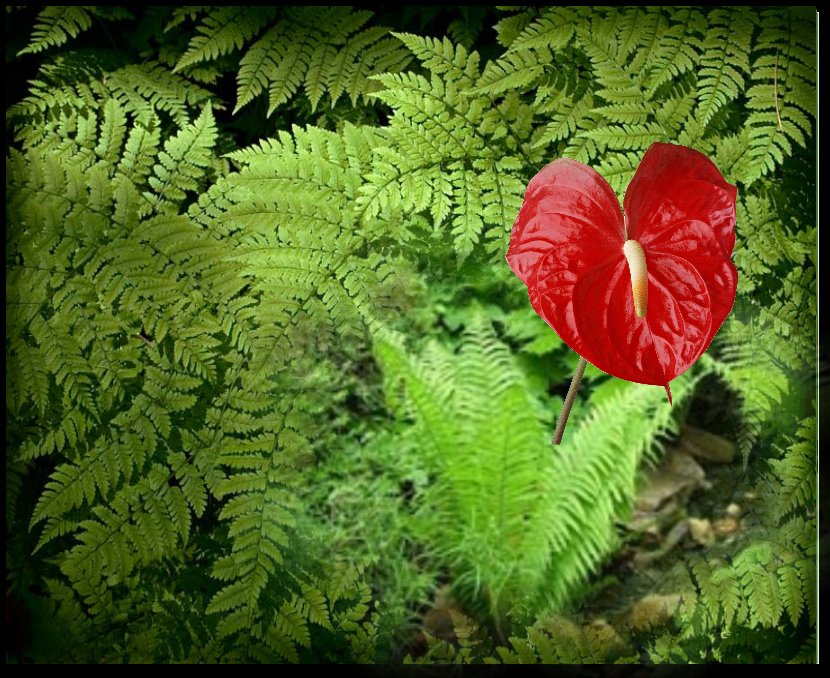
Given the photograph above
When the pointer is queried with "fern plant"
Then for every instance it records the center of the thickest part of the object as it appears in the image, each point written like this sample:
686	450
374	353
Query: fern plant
769	586
449	152
56	24
518	527
140	368
324	50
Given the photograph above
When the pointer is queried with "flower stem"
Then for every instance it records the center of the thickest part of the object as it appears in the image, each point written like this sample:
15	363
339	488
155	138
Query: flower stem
569	400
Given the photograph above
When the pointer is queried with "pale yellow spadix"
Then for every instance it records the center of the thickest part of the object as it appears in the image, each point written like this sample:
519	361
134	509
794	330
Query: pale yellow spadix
639	275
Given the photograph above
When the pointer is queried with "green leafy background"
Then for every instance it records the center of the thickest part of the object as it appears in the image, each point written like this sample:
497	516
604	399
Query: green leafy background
271	386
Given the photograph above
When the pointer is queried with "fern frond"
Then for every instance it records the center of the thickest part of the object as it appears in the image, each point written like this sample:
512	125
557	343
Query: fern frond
322	50
782	95
446	128
222	31
751	368
772	241
141	90
796	472
183	161
724	61
55	24
599	464
677	49
552	30
518	70
510	27
502	510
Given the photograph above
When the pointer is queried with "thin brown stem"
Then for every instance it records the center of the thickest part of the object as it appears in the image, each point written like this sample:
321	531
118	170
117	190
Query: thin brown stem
146	340
569	400
775	93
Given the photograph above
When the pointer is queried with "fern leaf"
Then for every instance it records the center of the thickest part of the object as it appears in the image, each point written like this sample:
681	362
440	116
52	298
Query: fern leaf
552	30
223	31
796	472
183	161
782	93
322	50
56	24
724	61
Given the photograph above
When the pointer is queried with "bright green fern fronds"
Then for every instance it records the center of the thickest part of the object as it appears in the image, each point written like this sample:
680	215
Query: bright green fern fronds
183	161
480	434
509	27
223	30
161	374
292	213
516	522
118	322
441	151
54	108
594	477
55	24
322	49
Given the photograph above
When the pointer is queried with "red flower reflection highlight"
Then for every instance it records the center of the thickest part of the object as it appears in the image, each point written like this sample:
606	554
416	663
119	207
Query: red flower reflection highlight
642	319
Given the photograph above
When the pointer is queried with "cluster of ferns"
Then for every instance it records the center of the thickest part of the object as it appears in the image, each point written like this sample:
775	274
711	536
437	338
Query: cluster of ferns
233	231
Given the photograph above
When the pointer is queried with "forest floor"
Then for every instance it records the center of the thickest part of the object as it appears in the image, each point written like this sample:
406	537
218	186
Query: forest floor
693	502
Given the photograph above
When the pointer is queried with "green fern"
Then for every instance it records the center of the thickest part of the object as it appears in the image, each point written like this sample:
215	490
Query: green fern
324	50
56	24
551	640
724	61
795	473
521	526
51	109
141	299
183	337
438	156
782	96
749	365
769	584
223	30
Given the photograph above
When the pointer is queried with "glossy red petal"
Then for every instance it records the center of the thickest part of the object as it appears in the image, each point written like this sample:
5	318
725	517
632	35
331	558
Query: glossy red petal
650	350
696	242
675	183
565	202
570	224
567	246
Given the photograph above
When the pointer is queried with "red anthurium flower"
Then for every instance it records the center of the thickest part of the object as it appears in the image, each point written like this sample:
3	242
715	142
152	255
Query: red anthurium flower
640	296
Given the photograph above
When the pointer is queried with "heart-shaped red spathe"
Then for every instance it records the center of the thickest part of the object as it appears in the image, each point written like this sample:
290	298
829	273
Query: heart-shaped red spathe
567	247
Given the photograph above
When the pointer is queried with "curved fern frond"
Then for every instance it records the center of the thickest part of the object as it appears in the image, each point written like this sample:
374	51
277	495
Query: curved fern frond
222	31
724	61
55	24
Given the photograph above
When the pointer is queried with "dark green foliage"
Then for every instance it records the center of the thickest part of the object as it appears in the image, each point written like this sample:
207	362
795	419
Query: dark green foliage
325	50
56	24
270	382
